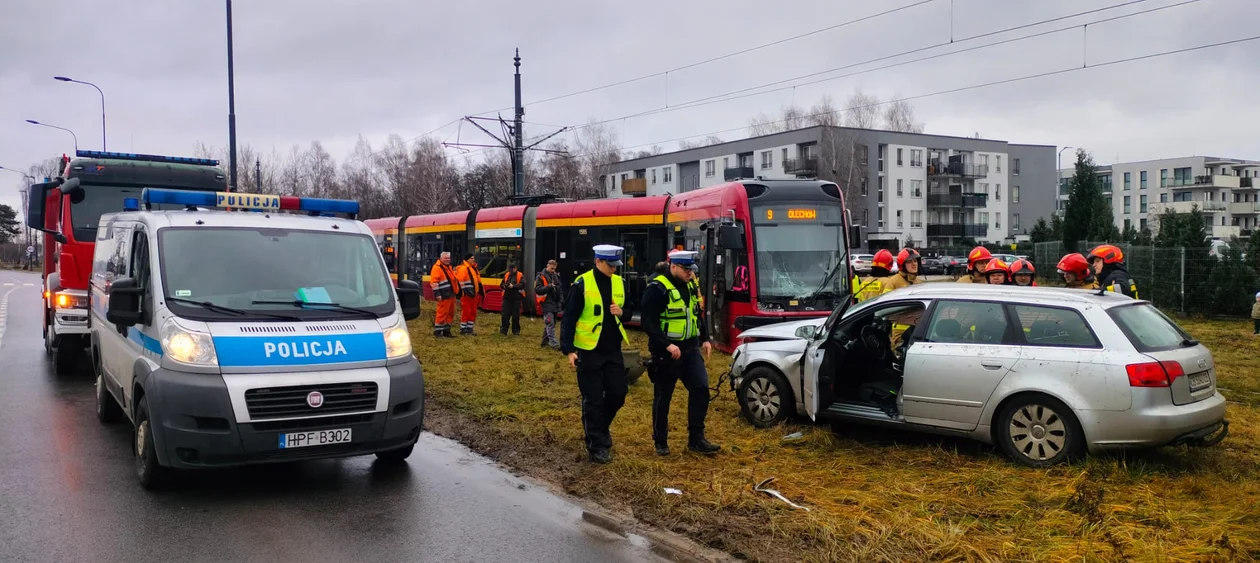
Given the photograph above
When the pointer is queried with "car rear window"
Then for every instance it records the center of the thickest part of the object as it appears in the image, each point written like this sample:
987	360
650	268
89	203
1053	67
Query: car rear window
1148	328
1053	326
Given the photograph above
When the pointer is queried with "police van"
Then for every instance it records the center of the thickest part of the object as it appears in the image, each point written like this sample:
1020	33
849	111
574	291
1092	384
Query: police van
265	330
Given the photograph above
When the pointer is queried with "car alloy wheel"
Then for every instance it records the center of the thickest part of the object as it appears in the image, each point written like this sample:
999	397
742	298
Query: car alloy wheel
1038	432
763	398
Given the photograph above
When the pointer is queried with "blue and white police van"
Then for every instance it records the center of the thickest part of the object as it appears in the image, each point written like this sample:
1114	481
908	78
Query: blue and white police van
239	328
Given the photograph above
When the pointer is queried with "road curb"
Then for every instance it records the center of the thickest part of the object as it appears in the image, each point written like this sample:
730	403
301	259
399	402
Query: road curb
666	544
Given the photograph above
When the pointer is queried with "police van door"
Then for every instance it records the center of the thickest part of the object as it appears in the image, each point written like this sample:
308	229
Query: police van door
141	336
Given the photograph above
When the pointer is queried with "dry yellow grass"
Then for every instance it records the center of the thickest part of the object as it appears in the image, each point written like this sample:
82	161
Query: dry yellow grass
873	495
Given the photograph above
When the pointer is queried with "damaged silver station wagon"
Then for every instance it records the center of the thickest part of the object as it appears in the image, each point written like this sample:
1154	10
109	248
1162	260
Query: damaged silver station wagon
1045	374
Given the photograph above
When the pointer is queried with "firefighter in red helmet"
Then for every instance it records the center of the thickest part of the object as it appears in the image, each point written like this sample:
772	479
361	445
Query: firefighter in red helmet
876	283
908	262
1074	269
977	262
1107	261
1023	273
998	273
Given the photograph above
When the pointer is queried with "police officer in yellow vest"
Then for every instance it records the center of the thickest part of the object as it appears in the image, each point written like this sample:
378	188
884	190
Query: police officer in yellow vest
876	284
591	335
678	339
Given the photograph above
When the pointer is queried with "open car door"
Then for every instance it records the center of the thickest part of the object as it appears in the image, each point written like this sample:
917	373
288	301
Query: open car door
812	362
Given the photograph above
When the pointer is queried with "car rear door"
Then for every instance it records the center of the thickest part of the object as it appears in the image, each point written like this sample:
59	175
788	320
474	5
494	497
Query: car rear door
1188	364
952	371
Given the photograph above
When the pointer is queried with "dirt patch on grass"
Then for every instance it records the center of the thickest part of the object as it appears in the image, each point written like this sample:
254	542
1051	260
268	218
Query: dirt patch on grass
872	495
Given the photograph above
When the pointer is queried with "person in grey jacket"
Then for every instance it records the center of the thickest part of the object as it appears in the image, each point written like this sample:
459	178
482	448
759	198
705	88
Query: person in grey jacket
550	293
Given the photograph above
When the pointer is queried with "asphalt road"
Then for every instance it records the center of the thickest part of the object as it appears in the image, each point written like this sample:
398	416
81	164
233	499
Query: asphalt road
68	491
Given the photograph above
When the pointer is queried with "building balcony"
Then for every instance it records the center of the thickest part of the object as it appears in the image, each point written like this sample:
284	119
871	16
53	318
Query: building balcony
938	169
1206	181
958	230
801	166
634	186
739	173
1247	183
957	200
1244	207
1224	232
1186	206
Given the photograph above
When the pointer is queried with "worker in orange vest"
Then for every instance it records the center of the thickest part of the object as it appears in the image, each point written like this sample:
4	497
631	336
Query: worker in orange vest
513	287
442	278
470	293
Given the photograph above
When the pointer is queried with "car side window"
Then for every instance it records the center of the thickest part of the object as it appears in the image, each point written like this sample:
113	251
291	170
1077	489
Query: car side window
968	322
1053	326
139	266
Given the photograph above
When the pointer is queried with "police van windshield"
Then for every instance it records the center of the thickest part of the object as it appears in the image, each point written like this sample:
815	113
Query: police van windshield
265	270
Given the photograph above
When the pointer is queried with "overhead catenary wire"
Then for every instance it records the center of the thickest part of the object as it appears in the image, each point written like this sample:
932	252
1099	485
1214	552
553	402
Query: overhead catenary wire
977	86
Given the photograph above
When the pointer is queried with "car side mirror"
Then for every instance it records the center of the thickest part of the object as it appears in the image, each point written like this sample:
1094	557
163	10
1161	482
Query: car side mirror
730	237
74	189
409	299
124	303
807	332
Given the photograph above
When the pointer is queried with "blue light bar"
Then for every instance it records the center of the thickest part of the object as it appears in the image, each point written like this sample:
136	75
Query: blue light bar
147	157
321	205
131	204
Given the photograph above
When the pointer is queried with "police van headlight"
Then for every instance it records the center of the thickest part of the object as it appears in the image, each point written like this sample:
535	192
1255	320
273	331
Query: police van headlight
397	341
186	346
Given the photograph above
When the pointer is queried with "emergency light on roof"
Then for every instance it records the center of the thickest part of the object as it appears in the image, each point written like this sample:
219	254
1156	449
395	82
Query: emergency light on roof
147	157
257	202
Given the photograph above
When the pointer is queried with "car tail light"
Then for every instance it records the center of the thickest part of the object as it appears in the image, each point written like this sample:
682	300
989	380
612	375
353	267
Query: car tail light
1154	374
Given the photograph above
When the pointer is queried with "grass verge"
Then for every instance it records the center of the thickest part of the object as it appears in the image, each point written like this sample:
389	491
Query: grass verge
872	495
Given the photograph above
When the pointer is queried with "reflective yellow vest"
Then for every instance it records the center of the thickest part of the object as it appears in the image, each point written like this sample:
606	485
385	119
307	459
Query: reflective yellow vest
591	322
680	322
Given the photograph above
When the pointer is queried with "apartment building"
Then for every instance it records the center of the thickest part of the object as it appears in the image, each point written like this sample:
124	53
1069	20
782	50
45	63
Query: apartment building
937	190
1225	189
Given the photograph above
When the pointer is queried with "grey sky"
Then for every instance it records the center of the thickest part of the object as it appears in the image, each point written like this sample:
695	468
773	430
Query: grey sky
332	70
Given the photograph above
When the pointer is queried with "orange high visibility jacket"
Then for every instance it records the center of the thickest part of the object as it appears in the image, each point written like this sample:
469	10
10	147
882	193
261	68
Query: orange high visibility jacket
469	280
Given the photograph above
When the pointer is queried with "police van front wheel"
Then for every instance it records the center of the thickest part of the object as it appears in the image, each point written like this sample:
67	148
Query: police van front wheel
149	472
765	398
395	456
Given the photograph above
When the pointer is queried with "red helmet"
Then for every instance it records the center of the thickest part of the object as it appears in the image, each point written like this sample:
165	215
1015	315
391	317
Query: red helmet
1022	266
883	259
995	266
905	255
1074	264
977	254
1109	254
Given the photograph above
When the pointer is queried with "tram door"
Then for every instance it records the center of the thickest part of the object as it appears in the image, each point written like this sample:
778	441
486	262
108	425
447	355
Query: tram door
637	267
713	285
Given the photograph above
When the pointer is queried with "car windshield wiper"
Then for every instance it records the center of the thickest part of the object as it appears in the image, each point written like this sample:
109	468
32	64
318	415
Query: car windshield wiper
831	273
317	306
228	310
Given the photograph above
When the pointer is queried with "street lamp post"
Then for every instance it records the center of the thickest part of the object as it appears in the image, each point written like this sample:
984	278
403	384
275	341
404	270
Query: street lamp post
98	90
231	103
76	137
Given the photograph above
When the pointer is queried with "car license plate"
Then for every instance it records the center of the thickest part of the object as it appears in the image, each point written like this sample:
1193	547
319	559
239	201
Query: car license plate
1200	381
314	438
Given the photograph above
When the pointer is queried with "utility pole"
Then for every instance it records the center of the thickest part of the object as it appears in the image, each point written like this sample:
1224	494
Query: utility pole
518	152
231	103
258	175
513	138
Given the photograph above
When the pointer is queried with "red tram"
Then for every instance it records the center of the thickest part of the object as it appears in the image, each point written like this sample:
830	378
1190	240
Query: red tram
771	250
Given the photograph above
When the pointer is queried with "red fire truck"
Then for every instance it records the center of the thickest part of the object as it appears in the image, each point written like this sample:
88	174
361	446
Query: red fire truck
67	209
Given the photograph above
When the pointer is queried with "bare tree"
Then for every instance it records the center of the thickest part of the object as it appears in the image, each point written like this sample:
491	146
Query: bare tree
598	149
899	116
861	110
705	142
824	112
321	171
48	168
561	174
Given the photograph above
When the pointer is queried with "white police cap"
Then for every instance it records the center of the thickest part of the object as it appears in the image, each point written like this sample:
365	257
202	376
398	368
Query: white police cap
609	253
685	258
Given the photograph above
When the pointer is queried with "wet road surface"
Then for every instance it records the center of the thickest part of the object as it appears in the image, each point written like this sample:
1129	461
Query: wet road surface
68	491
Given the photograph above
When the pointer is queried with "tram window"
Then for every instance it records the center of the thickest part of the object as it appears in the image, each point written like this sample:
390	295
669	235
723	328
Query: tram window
492	259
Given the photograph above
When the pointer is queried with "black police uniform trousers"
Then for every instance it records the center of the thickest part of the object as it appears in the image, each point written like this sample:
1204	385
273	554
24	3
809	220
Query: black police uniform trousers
602	380
689	367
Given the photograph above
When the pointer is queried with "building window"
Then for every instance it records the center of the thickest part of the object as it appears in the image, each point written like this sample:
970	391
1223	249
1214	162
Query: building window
1163	198
624	177
667	174
1142	224
1182	176
1015	191
999	163
997	220
653	176
899	157
899	223
1015	222
881	190
1142	204
1143	180
984	218
1127	205
767	159
864	192
726	162
916	157
982	187
745	160
1015	166
997	192
708	168
1128	224
916	188
1163	178
864	155
880	215
899	184
916	219
1128	181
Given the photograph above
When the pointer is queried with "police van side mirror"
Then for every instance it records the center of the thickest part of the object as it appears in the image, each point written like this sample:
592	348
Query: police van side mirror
124	302
409	299
730	237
